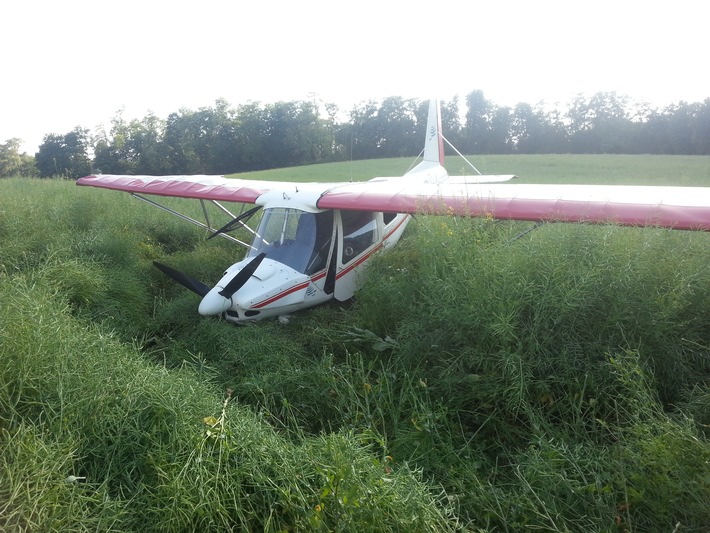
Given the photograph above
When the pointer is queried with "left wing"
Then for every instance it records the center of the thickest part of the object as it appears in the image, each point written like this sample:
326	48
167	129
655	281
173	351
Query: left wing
202	187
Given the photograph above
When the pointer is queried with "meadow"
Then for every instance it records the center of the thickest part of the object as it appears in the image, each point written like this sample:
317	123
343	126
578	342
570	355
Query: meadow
483	379
535	168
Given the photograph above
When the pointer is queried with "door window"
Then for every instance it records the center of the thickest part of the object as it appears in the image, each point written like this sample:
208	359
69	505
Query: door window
359	233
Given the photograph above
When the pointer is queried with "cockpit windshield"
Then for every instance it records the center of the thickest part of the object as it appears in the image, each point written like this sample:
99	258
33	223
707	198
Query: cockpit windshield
298	239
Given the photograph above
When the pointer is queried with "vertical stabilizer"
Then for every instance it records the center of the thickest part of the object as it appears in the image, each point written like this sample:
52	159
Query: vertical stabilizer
434	144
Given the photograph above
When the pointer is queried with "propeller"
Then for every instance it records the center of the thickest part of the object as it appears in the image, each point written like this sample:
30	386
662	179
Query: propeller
242	276
219	299
183	279
215	300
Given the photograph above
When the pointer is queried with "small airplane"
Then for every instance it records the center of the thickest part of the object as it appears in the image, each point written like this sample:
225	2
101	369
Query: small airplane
315	239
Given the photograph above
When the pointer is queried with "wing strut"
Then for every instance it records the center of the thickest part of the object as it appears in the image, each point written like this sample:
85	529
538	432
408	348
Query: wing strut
195	222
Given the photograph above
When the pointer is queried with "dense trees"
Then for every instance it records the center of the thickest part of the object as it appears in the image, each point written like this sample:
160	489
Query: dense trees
217	140
252	136
14	163
64	155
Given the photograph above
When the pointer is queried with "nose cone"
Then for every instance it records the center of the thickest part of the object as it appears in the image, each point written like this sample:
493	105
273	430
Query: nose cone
214	303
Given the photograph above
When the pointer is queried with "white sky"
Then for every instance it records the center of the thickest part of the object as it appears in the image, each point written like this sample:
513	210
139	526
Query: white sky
75	63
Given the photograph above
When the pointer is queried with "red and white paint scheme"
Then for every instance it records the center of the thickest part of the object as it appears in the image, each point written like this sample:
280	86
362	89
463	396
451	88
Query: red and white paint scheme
314	239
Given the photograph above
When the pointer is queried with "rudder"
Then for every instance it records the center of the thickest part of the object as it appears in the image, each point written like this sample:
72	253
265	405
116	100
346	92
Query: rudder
434	143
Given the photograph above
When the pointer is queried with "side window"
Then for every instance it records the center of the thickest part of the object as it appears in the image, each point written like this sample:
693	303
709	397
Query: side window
359	232
388	217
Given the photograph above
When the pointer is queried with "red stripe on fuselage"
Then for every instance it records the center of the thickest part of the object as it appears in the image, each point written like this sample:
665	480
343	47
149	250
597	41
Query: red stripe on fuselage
360	261
271	300
395	228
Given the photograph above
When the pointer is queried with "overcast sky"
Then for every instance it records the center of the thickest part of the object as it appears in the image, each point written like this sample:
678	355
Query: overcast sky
76	63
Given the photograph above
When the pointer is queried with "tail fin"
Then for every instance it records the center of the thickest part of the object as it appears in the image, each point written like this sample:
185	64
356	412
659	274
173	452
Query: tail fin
434	143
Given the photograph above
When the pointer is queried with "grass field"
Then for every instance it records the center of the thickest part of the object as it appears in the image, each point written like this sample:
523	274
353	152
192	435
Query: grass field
559	381
601	169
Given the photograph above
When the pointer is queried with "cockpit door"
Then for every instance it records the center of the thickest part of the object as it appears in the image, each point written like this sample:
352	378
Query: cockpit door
358	237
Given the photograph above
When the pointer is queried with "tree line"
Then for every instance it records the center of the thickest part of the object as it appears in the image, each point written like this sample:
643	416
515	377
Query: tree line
225	139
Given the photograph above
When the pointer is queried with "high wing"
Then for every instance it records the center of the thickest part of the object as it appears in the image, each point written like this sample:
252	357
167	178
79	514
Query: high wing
428	189
203	187
686	208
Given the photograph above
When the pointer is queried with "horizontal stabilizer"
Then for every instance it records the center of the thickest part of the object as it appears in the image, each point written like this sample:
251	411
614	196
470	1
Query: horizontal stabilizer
482	178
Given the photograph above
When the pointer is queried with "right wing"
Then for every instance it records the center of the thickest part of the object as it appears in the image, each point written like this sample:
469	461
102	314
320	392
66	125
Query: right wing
685	208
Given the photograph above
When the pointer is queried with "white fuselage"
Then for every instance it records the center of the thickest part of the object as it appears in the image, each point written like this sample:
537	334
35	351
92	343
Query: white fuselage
310	258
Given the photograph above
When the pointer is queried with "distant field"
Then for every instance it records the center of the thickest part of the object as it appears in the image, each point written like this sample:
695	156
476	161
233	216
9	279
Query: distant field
556	168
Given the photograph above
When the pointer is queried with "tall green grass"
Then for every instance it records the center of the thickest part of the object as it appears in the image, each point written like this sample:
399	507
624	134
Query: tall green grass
565	365
95	436
481	380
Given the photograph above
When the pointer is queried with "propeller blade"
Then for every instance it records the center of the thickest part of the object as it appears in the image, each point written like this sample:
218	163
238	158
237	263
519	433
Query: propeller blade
216	302
183	279
242	277
229	226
